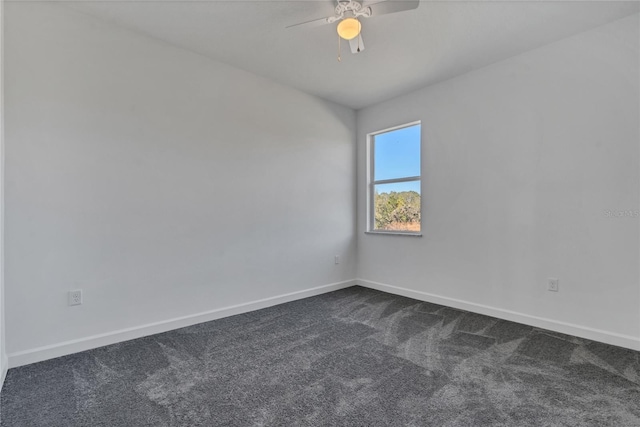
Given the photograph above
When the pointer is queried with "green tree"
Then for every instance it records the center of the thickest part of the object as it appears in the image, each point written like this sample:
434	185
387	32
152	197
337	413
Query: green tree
395	208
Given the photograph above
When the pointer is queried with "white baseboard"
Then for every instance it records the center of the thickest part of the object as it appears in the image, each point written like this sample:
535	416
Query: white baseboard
3	371
74	346
612	338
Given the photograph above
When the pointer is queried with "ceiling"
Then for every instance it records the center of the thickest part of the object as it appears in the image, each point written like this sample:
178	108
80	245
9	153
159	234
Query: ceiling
404	51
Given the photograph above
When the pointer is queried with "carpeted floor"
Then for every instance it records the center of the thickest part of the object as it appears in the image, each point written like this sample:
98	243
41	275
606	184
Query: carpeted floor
355	357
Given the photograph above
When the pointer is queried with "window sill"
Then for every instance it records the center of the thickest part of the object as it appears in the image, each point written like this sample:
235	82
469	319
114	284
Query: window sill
394	233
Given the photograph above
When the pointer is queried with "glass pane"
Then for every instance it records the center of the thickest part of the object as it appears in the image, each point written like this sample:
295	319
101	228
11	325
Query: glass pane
397	153
397	206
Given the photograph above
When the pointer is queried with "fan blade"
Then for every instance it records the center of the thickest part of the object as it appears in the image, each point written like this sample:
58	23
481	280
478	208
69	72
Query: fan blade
310	24
391	6
356	44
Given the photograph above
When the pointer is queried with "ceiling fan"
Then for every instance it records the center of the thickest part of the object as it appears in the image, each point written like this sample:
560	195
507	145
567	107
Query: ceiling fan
347	12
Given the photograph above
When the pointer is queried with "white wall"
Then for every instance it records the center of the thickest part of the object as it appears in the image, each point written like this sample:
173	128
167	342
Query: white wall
3	353
160	182
521	160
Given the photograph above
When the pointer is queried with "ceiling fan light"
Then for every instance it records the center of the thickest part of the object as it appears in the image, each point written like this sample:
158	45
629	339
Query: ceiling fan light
349	28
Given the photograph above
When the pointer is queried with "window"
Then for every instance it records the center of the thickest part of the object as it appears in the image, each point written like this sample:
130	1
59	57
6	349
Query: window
394	180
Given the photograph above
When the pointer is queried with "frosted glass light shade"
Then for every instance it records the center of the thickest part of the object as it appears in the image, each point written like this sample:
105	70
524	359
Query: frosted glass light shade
349	28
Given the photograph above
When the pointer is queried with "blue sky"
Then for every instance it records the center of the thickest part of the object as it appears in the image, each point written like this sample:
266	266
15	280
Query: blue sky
398	187
397	155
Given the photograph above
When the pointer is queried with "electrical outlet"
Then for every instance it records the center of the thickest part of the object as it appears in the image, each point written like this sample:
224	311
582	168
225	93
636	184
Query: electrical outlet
337	259
552	284
75	297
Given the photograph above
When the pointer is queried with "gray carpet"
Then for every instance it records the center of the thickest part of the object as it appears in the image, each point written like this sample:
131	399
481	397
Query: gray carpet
355	357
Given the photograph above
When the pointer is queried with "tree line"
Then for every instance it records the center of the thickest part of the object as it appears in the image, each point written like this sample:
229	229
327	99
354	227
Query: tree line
397	210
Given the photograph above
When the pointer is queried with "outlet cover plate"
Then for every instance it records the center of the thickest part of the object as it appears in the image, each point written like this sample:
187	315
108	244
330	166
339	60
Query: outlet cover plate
75	297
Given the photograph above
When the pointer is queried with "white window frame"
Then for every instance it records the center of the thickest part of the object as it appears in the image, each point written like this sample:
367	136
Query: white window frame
371	183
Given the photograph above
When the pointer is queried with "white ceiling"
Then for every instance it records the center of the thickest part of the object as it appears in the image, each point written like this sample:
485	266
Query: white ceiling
404	51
